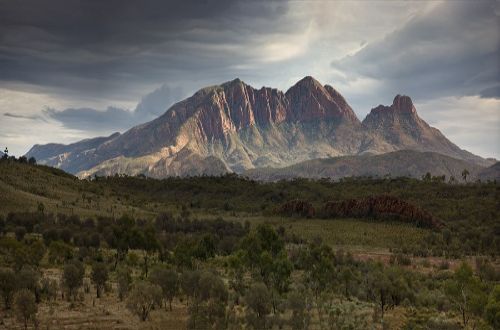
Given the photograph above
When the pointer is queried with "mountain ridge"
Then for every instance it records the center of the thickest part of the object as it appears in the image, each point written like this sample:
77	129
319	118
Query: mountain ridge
407	163
235	127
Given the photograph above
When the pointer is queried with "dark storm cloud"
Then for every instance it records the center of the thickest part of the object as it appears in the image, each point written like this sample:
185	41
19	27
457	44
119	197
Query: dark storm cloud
449	50
111	48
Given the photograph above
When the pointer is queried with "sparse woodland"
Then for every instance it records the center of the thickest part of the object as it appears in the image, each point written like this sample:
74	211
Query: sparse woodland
230	253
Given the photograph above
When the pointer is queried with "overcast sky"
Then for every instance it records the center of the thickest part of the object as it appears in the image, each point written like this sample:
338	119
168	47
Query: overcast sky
72	69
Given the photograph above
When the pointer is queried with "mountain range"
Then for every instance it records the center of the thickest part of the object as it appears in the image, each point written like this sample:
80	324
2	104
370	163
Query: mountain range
234	127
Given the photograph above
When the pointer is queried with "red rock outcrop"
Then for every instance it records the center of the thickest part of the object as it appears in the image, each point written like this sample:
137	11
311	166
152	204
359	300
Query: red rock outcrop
382	207
297	208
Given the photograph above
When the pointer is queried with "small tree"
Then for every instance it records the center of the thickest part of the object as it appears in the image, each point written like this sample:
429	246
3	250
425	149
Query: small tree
465	174
237	275
279	277
7	285
143	298
387	287
347	316
25	306
208	308
258	300
168	280
427	177
493	308
189	284
124	280
99	277
59	252
41	207
466	293
73	277
32	161
301	318
29	278
149	245
35	252
20	232
48	288
347	277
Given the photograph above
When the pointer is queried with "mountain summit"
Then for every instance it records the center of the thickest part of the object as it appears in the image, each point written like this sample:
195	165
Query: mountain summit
235	127
399	127
309	100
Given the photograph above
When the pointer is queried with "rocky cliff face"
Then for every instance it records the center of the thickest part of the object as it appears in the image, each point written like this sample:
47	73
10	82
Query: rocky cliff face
235	127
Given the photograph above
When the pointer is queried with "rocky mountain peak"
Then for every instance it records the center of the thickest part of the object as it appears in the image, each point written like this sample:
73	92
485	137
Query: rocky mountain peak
403	104
400	127
309	100
237	82
308	82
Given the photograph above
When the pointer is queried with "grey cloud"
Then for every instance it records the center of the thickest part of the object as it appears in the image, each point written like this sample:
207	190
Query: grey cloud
155	103
89	119
151	106
450	50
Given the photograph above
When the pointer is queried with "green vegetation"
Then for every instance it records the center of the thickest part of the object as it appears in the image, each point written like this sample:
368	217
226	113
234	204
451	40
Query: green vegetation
213	253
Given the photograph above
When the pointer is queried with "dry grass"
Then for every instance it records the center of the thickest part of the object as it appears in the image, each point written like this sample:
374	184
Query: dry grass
108	312
90	313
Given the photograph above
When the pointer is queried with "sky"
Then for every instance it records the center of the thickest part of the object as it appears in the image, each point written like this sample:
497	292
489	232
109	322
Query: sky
72	69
